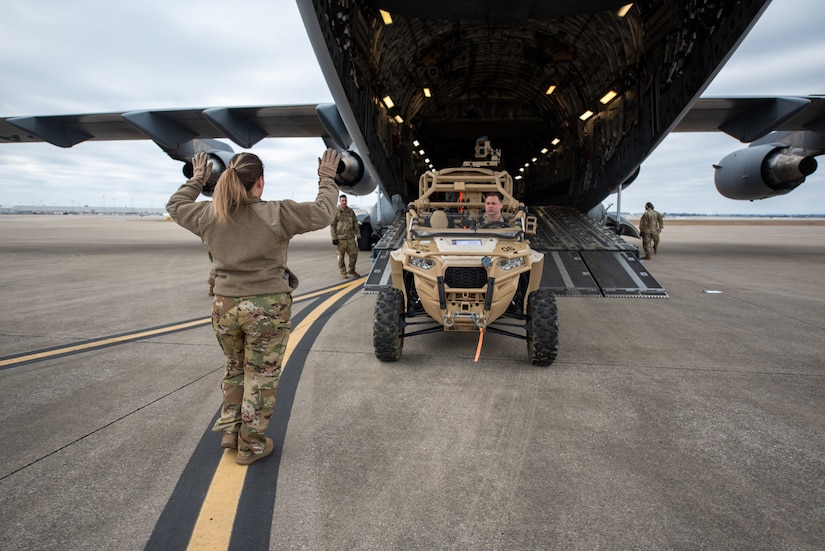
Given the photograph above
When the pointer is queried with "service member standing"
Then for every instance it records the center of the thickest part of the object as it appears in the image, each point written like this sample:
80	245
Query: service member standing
650	226
345	232
247	239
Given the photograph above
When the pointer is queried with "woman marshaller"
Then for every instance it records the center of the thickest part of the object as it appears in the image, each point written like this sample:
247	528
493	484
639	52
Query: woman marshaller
247	239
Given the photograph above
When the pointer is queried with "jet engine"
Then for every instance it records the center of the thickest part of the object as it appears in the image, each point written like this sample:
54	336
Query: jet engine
220	160
351	176
354	175
762	171
219	155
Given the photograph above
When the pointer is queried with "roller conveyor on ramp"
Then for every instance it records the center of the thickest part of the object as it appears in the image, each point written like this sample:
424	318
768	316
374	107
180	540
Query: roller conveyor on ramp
581	258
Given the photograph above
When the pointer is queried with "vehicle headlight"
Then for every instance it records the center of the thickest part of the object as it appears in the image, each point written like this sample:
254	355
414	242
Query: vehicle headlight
423	263
511	263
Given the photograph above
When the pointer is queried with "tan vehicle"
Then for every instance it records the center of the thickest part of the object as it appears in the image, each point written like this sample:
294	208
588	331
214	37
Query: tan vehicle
453	272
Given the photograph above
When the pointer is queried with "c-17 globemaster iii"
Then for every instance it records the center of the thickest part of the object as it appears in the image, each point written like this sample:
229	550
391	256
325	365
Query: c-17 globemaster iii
575	95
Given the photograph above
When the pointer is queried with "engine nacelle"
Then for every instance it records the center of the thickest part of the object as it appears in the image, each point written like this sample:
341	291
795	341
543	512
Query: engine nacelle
220	160
761	171
351	176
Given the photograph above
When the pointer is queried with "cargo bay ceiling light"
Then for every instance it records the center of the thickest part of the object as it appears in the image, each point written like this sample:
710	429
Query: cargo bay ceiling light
624	9
550	89
388	102
387	18
586	115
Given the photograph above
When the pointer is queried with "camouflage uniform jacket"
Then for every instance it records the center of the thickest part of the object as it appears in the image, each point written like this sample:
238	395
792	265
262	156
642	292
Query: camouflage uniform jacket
344	225
651	222
250	249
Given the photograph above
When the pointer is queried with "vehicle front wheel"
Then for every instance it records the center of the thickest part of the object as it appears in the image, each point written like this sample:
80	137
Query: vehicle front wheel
542	327
388	325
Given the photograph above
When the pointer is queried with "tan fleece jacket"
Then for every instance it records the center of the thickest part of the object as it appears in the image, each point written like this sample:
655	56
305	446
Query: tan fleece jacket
249	250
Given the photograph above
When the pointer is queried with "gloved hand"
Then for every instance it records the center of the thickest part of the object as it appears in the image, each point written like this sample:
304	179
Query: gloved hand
201	168
335	242
328	164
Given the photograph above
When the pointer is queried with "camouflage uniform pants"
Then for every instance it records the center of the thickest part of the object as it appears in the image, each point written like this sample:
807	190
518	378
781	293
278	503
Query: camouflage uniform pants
650	242
350	248
655	237
253	332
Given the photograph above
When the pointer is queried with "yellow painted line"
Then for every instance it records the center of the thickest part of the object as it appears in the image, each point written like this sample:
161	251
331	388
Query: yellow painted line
213	528
101	342
314	294
143	334
299	331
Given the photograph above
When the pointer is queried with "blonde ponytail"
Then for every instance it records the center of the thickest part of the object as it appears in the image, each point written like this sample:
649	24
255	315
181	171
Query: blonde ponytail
232	189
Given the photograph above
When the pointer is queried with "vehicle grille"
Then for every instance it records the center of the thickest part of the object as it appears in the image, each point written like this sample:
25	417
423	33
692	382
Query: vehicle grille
465	278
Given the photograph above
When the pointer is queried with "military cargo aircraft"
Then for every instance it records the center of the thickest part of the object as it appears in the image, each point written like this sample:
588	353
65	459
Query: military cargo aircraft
574	94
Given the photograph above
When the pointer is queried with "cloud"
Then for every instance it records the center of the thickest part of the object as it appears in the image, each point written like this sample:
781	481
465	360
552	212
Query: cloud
94	56
779	56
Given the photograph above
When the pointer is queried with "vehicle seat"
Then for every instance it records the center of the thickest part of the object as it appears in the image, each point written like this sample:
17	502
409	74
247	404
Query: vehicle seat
438	220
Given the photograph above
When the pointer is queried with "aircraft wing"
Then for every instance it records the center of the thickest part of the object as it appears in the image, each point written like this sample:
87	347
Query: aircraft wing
784	134
169	128
183	132
750	118
745	118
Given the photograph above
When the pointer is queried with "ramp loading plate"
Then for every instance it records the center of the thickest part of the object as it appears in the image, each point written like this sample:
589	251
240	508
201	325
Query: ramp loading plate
379	275
583	259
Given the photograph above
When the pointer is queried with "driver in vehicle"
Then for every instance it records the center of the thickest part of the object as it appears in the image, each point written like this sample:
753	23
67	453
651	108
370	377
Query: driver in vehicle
493	203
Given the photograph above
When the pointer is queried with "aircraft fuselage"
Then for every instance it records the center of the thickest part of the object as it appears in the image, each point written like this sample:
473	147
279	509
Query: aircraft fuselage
525	74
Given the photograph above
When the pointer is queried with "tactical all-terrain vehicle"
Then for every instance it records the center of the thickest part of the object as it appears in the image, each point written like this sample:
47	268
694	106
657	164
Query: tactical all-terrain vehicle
454	272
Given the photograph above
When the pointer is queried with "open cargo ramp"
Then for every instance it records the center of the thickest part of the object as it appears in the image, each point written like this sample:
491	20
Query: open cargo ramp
584	259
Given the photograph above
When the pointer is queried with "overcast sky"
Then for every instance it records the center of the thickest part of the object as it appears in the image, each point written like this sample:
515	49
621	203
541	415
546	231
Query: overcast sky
95	56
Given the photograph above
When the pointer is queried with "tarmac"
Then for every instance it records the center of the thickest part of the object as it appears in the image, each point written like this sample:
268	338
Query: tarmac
693	422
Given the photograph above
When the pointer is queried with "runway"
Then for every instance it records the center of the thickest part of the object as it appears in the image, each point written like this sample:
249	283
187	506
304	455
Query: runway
690	422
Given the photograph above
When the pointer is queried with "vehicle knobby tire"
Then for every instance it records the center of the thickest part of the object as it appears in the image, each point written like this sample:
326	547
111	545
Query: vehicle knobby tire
542	327
388	324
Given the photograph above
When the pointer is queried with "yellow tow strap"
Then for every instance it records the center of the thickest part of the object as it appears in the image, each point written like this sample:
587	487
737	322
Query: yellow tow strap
480	339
